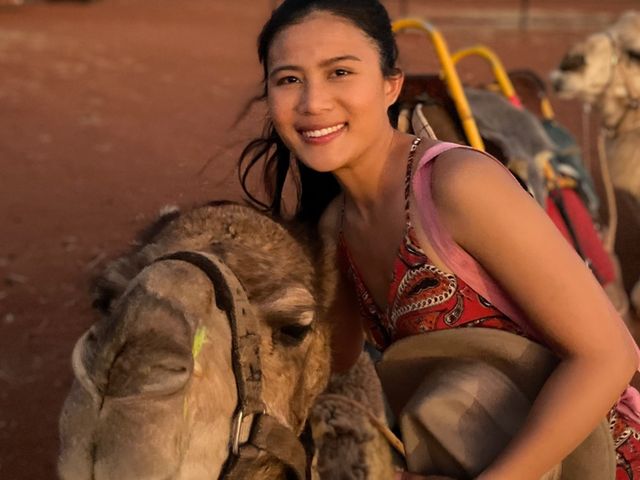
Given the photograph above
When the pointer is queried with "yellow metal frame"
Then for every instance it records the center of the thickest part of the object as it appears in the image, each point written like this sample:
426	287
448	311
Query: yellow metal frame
502	77
499	72
507	89
545	108
450	76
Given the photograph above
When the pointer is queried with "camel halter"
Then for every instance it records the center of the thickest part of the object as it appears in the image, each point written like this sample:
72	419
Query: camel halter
632	101
254	433
611	131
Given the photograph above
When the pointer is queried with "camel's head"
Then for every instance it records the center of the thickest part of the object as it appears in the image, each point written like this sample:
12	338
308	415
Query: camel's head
155	390
604	67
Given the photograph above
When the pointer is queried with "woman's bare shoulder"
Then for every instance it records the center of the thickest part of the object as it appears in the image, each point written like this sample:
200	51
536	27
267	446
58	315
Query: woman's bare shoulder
464	175
464	163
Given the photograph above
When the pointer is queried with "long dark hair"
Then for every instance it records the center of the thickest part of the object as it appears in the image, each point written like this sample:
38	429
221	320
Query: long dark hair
314	189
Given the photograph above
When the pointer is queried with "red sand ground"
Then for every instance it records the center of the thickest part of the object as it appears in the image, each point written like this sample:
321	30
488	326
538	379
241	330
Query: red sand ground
110	110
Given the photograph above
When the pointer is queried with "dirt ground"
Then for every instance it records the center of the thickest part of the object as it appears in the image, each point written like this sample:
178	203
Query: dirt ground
110	110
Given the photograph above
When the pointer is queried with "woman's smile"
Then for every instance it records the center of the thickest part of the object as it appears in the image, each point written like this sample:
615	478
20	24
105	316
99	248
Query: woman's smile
322	135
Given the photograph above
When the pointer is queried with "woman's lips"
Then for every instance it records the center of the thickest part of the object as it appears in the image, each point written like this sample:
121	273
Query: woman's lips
322	135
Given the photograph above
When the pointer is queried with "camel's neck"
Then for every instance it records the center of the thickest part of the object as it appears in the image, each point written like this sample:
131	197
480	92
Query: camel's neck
630	122
620	115
620	102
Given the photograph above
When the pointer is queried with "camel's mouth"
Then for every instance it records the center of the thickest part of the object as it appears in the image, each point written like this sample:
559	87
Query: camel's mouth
567	85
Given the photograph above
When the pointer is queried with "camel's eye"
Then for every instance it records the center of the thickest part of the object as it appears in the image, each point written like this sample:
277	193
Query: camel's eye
290	314
572	62
293	334
633	55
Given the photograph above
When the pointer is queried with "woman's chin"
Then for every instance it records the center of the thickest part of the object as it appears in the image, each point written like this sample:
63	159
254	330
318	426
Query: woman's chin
321	159
323	165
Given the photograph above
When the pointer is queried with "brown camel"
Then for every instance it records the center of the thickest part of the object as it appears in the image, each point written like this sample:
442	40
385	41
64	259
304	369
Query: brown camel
155	391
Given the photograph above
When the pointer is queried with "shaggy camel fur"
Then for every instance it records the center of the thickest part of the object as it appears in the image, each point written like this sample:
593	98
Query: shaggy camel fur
348	446
604	71
155	390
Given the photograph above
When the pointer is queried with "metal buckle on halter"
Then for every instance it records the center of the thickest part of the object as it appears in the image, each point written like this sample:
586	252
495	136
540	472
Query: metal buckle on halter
240	430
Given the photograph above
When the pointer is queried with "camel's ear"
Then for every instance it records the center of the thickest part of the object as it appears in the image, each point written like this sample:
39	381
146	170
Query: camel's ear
109	286
83	349
112	282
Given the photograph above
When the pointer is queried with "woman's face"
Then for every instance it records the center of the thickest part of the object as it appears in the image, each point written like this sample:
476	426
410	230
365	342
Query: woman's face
326	93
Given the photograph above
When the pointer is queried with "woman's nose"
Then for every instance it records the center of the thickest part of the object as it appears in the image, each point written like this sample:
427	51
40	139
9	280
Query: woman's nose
315	99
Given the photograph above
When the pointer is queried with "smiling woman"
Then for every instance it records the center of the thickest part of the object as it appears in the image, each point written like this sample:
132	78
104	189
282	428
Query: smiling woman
303	67
433	236
323	93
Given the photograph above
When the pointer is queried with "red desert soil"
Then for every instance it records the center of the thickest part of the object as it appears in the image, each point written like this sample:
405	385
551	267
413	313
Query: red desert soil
110	110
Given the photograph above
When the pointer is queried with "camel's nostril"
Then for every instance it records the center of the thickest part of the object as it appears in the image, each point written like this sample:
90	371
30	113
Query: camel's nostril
557	83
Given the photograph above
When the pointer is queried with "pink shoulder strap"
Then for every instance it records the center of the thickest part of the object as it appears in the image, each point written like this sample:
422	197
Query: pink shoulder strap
457	259
470	271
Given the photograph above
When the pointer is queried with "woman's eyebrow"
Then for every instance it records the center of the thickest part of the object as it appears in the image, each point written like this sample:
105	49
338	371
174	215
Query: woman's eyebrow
284	67
324	63
330	61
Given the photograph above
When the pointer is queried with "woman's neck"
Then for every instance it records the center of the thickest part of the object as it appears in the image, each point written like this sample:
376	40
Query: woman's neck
371	179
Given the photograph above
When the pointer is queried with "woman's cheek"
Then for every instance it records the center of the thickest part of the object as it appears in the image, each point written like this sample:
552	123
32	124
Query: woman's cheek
281	113
285	130
365	101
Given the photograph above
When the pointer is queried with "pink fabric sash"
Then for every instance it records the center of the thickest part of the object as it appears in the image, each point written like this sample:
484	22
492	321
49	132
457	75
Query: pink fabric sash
458	260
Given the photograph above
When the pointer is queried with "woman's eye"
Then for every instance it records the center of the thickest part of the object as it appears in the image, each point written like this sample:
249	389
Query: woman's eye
341	72
287	80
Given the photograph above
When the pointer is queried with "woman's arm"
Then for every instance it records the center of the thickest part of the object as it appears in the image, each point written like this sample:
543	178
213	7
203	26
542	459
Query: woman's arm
501	226
347	335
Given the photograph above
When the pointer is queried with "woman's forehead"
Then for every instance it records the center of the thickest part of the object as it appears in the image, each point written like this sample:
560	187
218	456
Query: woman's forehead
318	37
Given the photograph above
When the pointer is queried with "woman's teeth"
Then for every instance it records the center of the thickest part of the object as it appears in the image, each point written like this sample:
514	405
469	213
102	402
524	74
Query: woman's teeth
322	132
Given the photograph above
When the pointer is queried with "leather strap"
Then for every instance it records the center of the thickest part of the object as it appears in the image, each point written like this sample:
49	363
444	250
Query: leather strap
268	437
254	434
232	299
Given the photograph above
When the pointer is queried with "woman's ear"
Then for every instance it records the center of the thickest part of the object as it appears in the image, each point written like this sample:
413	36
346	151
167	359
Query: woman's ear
393	86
